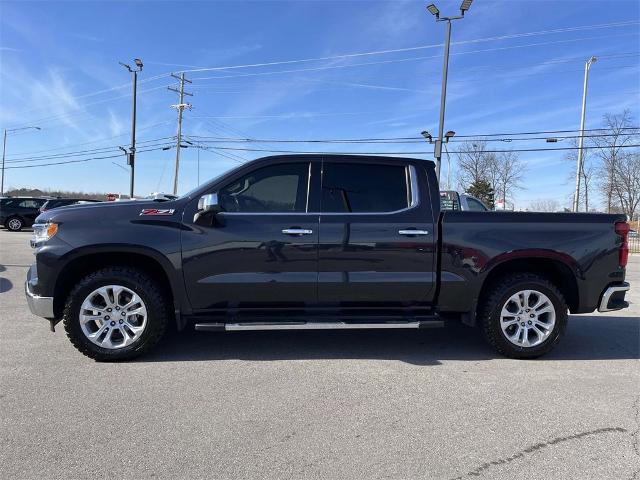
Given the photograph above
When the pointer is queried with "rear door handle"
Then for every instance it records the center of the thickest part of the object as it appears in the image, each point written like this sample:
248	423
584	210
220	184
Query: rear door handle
297	231
413	232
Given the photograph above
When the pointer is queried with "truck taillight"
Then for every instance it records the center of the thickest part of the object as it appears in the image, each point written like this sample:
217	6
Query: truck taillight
622	229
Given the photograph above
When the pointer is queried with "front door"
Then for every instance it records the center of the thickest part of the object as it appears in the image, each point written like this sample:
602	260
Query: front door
260	251
376	246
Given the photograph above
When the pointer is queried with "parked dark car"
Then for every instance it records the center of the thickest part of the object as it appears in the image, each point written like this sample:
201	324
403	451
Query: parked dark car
320	242
17	213
63	202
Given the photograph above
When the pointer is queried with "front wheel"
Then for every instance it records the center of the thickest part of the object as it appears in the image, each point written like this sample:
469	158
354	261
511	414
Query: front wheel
116	313
14	224
523	316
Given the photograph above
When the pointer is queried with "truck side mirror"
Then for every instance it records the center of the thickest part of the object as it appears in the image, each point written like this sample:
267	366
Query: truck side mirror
207	205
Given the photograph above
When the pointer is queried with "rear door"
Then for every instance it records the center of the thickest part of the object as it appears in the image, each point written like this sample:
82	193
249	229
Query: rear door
29	209
376	244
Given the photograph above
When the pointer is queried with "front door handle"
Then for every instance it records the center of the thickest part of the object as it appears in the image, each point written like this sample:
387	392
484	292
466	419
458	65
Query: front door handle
413	232
297	231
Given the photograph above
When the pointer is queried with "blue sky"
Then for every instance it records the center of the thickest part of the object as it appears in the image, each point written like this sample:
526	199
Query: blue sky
59	70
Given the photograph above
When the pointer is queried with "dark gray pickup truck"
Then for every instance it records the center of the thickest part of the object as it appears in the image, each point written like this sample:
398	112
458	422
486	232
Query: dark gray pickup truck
320	242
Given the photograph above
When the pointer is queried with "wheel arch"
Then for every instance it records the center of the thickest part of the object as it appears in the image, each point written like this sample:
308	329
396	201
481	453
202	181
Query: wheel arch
86	261
557	271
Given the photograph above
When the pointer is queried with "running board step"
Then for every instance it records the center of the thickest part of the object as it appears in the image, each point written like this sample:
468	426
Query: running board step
231	327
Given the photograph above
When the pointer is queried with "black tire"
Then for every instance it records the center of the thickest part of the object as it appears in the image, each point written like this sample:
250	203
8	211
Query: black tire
142	285
14	224
496	297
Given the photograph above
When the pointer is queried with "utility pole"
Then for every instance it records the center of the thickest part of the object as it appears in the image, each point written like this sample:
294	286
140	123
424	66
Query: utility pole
579	167
179	107
131	157
4	151
433	10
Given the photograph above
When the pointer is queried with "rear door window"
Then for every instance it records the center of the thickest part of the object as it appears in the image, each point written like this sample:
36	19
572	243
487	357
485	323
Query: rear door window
364	188
30	203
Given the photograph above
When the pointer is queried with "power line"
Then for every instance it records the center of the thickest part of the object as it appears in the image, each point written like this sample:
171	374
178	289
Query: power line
420	47
379	52
85	143
81	160
222	154
80	153
332	67
413	152
417	139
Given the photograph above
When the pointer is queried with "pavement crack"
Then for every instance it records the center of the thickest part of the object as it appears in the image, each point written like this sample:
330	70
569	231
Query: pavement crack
536	447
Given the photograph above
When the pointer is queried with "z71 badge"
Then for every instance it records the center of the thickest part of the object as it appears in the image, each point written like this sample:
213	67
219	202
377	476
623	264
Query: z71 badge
157	211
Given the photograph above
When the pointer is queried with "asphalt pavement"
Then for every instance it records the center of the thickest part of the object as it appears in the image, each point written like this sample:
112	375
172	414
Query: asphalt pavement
433	404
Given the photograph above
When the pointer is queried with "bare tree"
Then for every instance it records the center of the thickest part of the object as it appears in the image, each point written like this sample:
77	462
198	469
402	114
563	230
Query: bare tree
545	205
492	170
617	133
509	173
586	176
473	163
588	173
627	182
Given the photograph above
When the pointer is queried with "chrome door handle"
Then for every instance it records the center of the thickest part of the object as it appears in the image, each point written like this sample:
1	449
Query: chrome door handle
297	231
413	232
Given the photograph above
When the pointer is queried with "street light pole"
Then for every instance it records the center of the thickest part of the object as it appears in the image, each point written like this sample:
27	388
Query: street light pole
443	99
4	148
4	151
579	166
131	157
466	4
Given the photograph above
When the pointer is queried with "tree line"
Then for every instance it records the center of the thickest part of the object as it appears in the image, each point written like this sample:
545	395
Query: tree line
488	176
609	178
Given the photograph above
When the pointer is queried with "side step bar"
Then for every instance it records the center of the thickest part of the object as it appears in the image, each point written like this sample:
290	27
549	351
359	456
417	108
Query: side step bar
231	327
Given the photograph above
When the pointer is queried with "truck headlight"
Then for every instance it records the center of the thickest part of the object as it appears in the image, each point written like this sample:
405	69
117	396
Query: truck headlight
43	232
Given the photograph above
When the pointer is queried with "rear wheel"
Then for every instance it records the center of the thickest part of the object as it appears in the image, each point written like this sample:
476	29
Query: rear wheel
523	316
14	224
116	313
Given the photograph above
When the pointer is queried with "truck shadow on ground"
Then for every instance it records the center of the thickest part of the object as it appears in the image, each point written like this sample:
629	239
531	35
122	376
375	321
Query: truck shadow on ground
587	338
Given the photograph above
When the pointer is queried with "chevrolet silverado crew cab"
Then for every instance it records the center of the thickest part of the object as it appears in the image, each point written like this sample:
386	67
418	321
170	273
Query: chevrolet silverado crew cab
319	242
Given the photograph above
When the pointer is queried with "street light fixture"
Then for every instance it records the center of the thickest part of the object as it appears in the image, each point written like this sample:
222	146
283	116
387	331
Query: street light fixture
427	135
449	135
464	7
4	150
579	167
466	4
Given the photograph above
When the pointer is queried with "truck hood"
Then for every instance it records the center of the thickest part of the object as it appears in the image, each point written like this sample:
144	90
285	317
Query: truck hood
129	209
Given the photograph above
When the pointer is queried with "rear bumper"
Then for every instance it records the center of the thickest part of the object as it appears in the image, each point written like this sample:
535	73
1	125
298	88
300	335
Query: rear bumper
613	298
40	306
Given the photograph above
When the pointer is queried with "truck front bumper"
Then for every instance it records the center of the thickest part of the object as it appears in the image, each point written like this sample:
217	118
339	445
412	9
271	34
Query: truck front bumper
613	298
40	306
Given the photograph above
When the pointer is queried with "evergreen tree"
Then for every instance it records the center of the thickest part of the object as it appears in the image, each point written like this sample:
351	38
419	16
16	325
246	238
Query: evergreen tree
482	190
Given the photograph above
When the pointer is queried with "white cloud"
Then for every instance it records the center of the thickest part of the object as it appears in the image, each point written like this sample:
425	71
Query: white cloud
115	125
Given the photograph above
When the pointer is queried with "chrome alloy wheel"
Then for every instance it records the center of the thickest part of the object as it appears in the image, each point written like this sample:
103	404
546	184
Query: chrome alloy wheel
527	318
113	316
14	224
